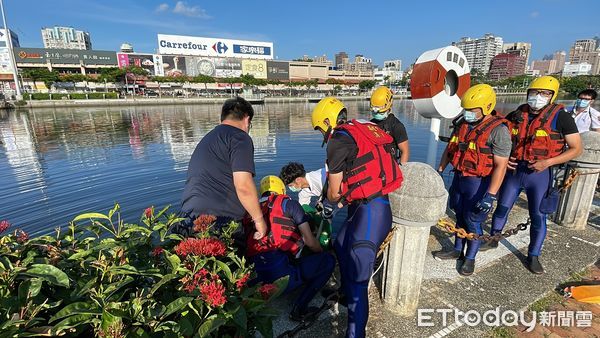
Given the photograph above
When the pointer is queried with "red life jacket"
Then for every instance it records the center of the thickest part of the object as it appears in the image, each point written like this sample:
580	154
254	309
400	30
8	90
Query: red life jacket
375	171
536	140
468	150
282	234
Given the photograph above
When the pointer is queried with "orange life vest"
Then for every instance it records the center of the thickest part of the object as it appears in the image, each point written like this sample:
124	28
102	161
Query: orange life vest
375	171
536	140
468	150
282	235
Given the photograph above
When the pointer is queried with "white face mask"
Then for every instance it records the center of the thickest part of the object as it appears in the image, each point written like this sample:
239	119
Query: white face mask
537	102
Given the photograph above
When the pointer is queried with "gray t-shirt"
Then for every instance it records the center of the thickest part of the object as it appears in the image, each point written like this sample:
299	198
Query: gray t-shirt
500	141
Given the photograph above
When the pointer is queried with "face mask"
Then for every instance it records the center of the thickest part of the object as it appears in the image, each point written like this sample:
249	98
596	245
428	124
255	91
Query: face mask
470	116
379	116
582	103
537	102
293	188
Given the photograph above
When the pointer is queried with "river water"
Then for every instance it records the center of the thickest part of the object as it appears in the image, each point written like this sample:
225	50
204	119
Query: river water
58	163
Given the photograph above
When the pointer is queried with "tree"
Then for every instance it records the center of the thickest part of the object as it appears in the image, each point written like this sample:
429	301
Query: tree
41	74
203	79
367	84
336	89
573	85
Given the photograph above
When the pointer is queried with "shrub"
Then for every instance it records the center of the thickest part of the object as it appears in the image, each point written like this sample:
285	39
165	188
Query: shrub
103	277
78	96
40	96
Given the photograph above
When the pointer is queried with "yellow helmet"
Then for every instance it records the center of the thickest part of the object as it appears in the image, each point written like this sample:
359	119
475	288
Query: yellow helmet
272	183
546	83
479	96
382	99
327	109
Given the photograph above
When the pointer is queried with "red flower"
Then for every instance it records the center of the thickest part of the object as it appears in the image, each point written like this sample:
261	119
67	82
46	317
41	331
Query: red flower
213	293
4	225
267	290
191	284
240	283
157	251
149	212
203	222
201	247
22	236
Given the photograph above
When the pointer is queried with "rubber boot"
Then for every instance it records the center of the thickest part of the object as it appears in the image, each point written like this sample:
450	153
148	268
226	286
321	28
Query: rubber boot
450	254
341	298
467	268
534	265
489	245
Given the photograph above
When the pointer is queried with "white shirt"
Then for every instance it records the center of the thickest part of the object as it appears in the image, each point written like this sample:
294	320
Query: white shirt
316	180
586	120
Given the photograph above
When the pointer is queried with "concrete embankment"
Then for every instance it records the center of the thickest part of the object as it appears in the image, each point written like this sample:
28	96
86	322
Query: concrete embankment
167	101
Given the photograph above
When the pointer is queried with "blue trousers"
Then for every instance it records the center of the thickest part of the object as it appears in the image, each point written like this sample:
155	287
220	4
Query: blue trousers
312	271
536	185
356	248
465	192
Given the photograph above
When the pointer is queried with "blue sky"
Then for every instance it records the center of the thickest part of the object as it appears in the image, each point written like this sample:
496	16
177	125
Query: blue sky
380	29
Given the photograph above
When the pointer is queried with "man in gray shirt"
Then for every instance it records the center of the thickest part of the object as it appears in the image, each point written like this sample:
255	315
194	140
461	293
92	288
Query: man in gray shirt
478	150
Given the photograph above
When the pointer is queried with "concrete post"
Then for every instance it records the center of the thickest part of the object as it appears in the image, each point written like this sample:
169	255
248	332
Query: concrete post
416	206
575	202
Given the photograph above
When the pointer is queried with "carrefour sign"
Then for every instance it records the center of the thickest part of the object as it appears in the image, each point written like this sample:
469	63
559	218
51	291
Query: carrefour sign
201	46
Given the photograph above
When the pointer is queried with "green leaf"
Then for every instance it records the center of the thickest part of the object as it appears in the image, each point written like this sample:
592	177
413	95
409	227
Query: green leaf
91	215
176	305
225	268
210	325
160	213
174	260
29	289
114	287
113	210
163	281
78	308
281	284
71	322
49	273
80	254
108	321
240	318
79	292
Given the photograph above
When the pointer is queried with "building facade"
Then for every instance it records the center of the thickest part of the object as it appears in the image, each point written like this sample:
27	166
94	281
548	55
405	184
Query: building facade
480	52
390	73
66	38
341	59
518	48
505	65
576	69
586	51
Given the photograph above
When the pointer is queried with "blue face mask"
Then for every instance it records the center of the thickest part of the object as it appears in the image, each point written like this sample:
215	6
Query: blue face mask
379	116
582	103
293	188
470	116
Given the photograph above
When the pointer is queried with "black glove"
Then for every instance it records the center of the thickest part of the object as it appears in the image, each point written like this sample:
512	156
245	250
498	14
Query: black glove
328	210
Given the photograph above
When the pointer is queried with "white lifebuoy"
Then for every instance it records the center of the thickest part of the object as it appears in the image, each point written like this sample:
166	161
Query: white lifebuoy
439	79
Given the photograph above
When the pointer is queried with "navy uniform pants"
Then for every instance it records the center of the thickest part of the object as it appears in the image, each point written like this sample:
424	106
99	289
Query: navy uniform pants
356	246
465	192
536	185
312	271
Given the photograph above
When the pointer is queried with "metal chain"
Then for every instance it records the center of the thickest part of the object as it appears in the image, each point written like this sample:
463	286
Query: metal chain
450	227
573	176
310	320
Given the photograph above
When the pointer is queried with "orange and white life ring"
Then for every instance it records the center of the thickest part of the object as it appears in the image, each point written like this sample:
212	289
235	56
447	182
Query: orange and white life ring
439	79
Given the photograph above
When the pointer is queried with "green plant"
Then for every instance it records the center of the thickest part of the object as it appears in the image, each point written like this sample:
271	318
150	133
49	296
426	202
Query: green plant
40	96
20	103
104	277
78	96
59	96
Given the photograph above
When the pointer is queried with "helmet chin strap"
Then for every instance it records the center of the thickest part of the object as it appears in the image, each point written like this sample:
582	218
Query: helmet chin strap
326	136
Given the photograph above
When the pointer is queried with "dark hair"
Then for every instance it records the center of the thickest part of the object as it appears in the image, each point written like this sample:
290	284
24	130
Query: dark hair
588	92
292	171
236	109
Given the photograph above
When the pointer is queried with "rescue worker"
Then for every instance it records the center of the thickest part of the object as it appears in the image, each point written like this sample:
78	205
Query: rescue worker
307	185
362	172
381	110
478	150
544	134
274	256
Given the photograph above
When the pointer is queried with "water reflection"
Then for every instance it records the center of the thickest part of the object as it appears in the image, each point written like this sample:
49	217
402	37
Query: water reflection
56	163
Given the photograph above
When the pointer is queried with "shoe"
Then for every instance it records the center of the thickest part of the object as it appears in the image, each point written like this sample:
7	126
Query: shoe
467	268
341	298
489	245
450	254
534	265
298	316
